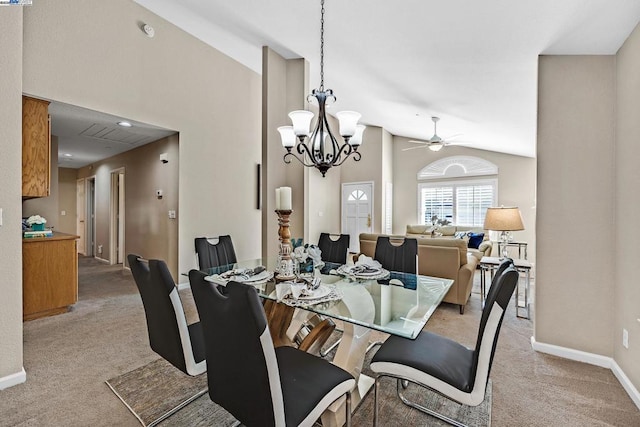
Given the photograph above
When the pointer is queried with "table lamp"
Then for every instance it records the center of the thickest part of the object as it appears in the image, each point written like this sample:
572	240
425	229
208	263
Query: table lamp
504	220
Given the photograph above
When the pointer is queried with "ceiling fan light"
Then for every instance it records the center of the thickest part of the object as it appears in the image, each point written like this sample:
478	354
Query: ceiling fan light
436	146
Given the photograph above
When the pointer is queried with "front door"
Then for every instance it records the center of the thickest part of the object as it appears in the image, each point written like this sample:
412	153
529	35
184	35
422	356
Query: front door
357	211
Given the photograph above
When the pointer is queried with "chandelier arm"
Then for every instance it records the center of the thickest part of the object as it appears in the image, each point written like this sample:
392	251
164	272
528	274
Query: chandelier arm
290	154
303	149
348	152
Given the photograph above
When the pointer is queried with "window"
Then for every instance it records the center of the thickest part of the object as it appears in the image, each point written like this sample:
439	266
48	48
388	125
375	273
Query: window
461	202
445	190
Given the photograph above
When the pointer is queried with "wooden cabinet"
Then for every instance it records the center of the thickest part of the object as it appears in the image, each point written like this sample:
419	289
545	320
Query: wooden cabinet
49	275
36	147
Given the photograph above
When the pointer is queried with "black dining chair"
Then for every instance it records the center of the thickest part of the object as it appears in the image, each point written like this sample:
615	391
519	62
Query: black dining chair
334	250
170	336
258	384
212	254
443	365
397	257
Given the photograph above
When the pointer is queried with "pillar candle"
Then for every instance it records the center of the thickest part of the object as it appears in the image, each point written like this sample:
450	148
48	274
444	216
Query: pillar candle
285	198
278	196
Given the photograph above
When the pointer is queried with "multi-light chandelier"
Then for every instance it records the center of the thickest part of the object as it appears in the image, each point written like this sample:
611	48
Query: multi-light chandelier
320	149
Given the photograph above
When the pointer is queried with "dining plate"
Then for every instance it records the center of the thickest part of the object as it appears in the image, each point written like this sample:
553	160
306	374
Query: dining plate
321	292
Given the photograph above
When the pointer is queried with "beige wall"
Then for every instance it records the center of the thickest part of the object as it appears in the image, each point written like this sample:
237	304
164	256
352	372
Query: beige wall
148	230
94	55
283	90
67	185
627	180
11	195
47	207
575	281
516	185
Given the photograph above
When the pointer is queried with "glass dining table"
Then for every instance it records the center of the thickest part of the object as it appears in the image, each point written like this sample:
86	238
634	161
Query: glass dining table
398	304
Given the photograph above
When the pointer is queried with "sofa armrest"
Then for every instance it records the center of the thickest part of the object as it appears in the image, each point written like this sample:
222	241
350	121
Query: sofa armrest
486	248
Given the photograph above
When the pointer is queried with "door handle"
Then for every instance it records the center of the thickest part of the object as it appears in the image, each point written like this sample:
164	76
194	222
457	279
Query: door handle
369	220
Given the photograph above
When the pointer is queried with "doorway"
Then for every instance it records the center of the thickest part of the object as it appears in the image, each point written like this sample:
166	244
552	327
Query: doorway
116	222
357	211
86	216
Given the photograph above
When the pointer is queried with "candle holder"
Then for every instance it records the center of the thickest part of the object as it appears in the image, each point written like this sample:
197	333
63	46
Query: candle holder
285	263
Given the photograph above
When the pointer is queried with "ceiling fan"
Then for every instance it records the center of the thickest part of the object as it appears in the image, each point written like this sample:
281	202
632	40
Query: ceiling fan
435	143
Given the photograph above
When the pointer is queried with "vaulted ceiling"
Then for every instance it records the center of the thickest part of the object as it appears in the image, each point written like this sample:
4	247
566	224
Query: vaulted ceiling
472	63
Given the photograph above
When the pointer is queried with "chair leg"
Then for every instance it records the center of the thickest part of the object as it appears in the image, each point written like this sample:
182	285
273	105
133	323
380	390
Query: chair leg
376	386
374	344
426	410
348	409
461	309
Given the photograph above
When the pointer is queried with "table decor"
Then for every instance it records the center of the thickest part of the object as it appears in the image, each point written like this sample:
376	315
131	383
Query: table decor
364	268
307	260
252	276
299	294
36	222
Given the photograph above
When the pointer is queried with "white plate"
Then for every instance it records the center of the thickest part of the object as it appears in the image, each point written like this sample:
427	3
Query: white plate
321	292
260	277
349	270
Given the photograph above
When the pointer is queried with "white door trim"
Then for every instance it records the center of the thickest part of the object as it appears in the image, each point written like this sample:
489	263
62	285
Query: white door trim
116	206
342	205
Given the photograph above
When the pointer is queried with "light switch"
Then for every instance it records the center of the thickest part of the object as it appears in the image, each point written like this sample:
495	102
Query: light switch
63	213
0	217
172	214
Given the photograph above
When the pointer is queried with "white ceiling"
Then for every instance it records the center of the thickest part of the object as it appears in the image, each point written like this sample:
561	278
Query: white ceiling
472	63
90	136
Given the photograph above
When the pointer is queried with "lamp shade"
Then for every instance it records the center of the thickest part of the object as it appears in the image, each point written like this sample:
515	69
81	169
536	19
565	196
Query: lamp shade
503	219
348	121
356	139
301	120
287	136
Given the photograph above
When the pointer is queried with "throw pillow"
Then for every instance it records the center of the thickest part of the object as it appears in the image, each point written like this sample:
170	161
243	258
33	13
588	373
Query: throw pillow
475	239
460	234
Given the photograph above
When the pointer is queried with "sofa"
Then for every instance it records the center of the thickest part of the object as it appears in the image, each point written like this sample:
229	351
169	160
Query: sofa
449	232
438	257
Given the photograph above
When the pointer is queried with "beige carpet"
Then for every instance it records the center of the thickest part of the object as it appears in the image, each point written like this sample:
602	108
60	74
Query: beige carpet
154	389
69	357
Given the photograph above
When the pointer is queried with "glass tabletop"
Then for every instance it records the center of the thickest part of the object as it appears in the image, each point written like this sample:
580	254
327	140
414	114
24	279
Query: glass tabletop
399	305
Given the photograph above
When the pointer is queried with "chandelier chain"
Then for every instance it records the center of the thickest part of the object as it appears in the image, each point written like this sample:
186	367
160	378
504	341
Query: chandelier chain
322	45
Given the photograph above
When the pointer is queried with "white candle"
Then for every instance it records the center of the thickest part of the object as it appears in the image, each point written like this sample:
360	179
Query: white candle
285	198
278	193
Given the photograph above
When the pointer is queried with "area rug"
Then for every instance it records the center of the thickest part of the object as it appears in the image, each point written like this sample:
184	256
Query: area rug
157	388
154	389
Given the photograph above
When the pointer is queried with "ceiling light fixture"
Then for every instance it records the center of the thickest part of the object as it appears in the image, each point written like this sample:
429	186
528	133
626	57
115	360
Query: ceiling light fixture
324	152
67	155
125	124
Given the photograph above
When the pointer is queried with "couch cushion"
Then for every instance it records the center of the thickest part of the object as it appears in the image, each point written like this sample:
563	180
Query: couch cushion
418	229
460	244
447	230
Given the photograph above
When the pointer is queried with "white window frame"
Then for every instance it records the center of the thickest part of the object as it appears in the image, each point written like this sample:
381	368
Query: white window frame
454	183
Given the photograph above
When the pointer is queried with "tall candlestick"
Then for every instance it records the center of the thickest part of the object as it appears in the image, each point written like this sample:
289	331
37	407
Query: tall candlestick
278	198
285	265
285	198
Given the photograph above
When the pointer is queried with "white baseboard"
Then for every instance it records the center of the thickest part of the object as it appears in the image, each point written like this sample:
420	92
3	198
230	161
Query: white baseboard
183	286
13	379
106	261
633	392
592	359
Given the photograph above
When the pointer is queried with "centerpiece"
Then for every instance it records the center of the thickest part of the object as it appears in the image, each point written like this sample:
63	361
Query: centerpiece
306	260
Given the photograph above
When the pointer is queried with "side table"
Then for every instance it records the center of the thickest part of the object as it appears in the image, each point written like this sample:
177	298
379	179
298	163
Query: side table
522	247
490	264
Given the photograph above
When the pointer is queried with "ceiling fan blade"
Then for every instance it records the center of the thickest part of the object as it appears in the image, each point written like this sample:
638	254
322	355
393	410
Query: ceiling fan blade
413	148
417	142
451	137
459	143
